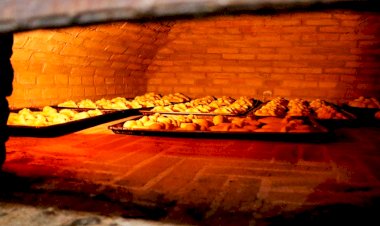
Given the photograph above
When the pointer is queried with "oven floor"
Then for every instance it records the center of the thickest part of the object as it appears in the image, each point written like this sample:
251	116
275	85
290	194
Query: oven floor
95	177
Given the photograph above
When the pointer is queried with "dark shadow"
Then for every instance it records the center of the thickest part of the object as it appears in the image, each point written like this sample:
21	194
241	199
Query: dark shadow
76	195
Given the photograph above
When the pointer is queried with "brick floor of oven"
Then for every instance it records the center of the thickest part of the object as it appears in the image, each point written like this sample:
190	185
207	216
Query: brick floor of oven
95	177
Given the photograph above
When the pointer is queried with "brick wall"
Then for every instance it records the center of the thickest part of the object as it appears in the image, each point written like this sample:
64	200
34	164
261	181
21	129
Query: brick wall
330	55
92	62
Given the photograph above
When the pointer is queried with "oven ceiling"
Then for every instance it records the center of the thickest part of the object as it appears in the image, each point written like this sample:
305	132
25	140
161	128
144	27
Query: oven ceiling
18	15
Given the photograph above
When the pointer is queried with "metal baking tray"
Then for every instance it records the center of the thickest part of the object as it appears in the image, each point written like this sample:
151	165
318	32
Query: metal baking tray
320	134
150	112
350	121
330	123
68	127
366	113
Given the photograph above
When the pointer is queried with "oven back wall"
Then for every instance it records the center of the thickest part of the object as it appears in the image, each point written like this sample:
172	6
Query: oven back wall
329	54
55	65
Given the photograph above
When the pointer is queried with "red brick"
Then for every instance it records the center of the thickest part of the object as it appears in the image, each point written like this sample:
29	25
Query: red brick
306	70
275	44
154	81
300	84
77	91
61	79
348	78
321	22
118	65
336	29
295	50
89	91
291	37
328	85
346	16
261	50
88	80
162	62
281	92
219	81
320	36
309	57
280	21
27	78
109	81
43	79
338	44
299	29
372	43
239	56
100	63
75	80
197	90
222	50
290	64
340	70
273	57
234	69
343	57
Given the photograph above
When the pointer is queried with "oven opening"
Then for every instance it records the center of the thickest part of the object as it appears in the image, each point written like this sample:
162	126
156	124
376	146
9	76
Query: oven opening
179	113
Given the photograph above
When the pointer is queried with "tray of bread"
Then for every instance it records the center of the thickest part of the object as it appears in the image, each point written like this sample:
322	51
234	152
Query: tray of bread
366	109
208	105
53	121
324	112
145	101
221	126
329	114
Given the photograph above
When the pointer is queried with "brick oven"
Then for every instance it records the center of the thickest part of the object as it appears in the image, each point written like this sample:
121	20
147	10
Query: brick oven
66	50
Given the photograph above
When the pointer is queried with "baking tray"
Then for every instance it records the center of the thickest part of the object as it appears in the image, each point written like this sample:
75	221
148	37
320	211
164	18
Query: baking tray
350	121
149	112
367	113
365	116
321	134
68	127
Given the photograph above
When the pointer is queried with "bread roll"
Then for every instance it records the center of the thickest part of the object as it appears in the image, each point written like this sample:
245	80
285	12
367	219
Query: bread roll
218	119
202	122
238	122
129	124
250	127
155	126
189	126
220	127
